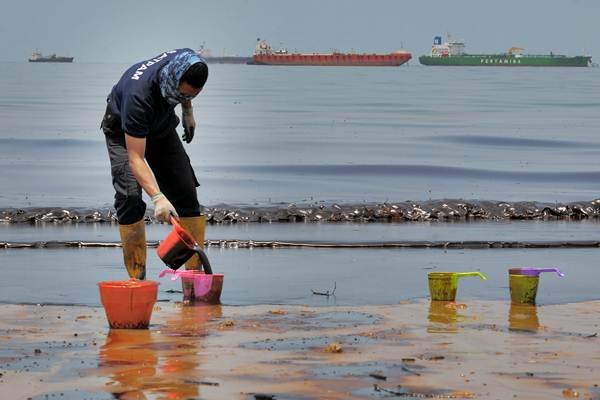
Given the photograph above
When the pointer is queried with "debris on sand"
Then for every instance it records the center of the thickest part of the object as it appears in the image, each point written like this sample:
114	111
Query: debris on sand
377	375
326	293
278	312
227	324
334	347
570	393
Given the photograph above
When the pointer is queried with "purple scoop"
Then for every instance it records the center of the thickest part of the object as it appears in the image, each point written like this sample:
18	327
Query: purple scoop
532	271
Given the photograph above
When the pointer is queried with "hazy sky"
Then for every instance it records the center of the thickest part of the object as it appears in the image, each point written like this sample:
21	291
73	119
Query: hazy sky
128	31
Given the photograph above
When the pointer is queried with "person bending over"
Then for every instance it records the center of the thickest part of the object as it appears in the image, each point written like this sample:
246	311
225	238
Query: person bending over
146	153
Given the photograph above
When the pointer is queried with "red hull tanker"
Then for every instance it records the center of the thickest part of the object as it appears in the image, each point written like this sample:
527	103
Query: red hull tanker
264	55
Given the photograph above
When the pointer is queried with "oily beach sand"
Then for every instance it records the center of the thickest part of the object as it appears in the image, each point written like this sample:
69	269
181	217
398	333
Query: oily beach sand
479	349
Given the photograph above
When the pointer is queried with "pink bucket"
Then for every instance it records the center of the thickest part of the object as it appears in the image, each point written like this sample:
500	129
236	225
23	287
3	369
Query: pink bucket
198	286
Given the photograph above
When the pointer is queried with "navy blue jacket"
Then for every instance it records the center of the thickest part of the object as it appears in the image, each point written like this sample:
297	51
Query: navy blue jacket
136	103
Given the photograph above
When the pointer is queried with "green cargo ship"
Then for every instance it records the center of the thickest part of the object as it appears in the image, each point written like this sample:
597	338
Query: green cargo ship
453	53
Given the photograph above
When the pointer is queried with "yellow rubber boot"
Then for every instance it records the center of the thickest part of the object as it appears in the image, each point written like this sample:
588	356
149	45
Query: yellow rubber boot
195	226
133	239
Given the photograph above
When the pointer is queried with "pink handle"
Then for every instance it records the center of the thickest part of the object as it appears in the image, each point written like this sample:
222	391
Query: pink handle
179	274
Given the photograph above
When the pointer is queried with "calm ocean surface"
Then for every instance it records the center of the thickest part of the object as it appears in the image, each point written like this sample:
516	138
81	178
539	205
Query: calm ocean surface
270	135
277	135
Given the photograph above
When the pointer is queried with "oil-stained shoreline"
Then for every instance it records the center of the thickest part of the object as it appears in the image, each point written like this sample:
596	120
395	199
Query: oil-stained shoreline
274	244
451	210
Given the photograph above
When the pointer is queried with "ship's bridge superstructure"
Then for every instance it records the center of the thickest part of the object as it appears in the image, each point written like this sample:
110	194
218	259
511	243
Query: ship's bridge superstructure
36	56
262	47
449	48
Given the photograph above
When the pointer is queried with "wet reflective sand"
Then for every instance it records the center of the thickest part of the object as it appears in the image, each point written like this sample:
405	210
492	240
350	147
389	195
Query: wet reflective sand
474	349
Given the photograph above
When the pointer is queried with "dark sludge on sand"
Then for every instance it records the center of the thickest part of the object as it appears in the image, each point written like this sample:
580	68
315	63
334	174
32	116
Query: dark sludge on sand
451	210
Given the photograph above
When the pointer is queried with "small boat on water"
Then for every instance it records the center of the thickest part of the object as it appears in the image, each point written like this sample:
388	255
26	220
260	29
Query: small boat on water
222	59
38	57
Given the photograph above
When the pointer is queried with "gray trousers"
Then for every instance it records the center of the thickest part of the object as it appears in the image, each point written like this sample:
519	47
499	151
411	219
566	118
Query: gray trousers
171	167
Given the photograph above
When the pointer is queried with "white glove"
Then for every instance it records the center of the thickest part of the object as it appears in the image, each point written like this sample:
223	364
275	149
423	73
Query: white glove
189	124
163	209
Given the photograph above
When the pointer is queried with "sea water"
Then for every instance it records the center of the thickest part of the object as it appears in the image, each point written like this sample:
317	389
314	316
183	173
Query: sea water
269	134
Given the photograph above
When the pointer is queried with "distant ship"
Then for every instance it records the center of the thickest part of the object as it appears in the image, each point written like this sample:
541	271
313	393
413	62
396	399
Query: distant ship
38	57
265	55
224	59
453	53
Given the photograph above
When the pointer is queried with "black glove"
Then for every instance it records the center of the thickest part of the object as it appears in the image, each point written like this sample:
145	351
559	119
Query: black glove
189	124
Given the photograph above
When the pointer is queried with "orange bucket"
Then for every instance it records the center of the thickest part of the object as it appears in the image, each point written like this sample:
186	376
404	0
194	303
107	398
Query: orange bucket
179	246
128	304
